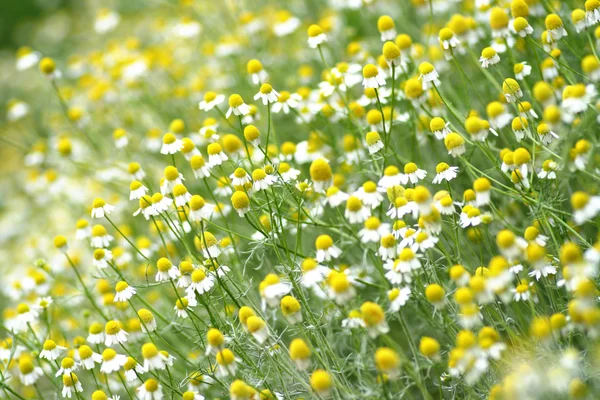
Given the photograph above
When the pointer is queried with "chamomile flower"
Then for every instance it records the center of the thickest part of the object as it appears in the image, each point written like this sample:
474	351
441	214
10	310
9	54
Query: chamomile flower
511	246
95	333
285	23
257	328
286	102
26	58
210	101
237	106
171	144
148	322
29	374
137	190
521	27
287	172
100	238
439	128
455	144
153	358
71	385
428	75
356	211
448	40
444	172
216	156
88	358
536	257
391	177
412	174
522	70
132	369
201	282
199	167
313	273
321	174
392	54
113	334
373	142
165	270
585	207
335	196
470	216
398	297
200	209
267	94
316	36
102	258
341	289
374	319
150	390
240	202
369	195
124	292
67	366
372	77
291	309
398	271
51	351
512	90
111	361
555	28
373	230
300	354
262	180
386	27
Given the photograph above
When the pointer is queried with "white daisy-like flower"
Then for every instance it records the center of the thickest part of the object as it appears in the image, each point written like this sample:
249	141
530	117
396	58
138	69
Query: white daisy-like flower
313	273
111	361
88	358
71	385
210	101
51	351
106	21
237	106
326	250
398	298
286	24
124	292
137	190
356	211
150	390
216	156
171	144
100	208
262	180
444	172
102	257
369	195
273	291
113	334
412	174
267	94
201	283
429	77
335	196
585	207
27	58
372	77
166	270
373	230
316	36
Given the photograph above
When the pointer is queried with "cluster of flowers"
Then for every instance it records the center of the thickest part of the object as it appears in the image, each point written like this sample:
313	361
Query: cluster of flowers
407	219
